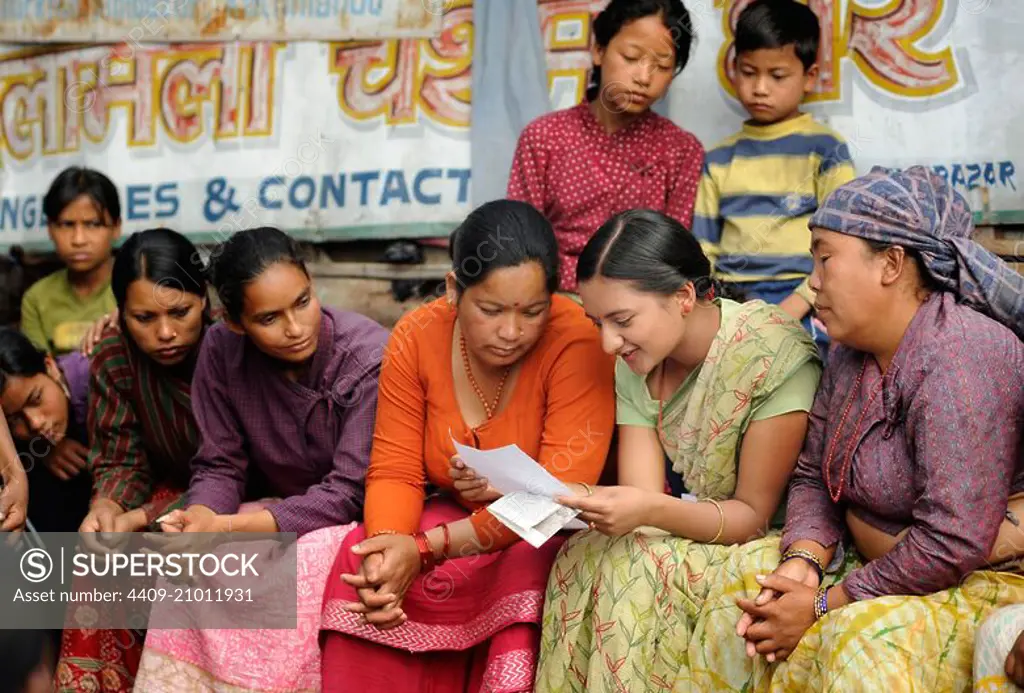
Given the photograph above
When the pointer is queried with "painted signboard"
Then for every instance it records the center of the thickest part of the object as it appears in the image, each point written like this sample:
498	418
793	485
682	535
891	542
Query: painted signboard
363	139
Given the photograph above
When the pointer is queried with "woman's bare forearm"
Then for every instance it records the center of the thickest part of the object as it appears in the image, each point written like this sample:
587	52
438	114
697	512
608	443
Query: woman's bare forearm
701	521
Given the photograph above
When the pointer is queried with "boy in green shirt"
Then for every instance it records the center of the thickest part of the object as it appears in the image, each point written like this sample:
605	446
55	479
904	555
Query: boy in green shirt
83	213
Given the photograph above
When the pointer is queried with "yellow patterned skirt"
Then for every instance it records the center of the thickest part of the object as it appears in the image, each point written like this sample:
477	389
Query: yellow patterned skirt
652	612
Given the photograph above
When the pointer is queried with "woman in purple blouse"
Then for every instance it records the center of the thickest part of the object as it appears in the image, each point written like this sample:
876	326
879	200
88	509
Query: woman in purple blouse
285	398
284	394
912	454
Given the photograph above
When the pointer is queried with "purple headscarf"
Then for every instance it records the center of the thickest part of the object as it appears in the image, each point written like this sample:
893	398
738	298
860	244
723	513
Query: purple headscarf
917	209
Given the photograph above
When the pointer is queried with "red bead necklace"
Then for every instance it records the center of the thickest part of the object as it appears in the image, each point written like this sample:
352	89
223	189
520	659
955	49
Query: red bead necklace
847	460
489	408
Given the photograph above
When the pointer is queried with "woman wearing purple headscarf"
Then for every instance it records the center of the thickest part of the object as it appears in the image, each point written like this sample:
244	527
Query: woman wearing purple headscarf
899	513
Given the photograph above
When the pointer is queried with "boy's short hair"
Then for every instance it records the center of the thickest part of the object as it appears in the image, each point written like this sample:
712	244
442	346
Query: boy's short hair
776	24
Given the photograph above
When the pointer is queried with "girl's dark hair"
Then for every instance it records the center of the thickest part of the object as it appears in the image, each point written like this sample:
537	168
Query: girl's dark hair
19	357
162	256
503	233
776	24
618	13
649	249
75	181
244	257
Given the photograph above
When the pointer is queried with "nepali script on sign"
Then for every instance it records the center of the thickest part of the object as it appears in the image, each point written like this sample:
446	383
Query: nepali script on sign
526	506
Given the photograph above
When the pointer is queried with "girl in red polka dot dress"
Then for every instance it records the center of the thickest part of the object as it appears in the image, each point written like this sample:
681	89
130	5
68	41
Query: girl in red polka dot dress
583	165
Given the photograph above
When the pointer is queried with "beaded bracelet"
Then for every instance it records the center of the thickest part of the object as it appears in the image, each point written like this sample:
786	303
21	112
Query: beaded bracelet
808	557
821	602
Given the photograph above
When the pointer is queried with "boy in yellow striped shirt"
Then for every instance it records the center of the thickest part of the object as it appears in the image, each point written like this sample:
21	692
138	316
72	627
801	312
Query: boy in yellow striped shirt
761	185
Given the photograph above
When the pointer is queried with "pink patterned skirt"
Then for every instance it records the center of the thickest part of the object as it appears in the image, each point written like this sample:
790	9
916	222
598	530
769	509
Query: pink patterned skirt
473	623
251	661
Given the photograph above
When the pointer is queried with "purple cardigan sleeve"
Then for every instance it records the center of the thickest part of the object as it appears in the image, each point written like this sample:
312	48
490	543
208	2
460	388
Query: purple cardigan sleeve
810	513
964	427
219	466
338	499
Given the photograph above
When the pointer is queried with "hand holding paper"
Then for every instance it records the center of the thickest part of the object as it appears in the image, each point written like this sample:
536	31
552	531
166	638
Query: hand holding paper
509	469
526	506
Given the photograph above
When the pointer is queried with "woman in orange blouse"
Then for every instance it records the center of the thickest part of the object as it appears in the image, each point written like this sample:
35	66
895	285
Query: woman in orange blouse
441	591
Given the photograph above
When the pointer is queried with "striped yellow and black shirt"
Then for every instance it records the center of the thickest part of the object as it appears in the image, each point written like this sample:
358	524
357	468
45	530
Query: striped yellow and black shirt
758	191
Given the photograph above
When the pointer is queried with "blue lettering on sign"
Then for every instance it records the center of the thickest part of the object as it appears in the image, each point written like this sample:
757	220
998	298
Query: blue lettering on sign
9	209
417	186
462	175
306	199
983	174
337	192
364	178
30	213
394	187
21	213
145	202
138	202
265	201
427	187
166	197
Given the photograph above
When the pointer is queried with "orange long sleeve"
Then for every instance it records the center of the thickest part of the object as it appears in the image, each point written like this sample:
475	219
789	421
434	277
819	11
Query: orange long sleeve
396	477
561	412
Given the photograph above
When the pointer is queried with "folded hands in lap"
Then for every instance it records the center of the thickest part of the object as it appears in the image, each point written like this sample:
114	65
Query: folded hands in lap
773	622
390	564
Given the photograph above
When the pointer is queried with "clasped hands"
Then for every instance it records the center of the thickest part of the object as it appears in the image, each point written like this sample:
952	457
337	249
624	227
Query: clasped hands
773	622
390	562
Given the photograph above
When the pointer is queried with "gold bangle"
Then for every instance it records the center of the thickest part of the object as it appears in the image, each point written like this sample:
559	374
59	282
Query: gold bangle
807	556
380	532
585	485
721	518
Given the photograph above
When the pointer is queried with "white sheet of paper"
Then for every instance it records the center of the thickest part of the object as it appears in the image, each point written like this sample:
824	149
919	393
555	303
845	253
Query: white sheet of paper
535	518
526	509
509	469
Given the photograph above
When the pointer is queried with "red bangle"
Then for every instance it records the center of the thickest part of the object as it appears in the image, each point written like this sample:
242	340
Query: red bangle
426	554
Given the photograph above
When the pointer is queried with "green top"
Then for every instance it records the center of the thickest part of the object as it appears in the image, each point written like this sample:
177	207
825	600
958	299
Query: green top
636	407
55	318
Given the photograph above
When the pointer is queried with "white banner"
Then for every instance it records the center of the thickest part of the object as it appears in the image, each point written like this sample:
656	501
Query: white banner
151	21
370	139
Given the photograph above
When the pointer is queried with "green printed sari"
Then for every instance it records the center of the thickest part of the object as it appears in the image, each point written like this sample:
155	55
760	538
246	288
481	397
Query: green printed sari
622	614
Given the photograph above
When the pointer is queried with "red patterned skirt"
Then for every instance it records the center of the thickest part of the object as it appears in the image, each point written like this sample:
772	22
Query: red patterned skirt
473	623
99	660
